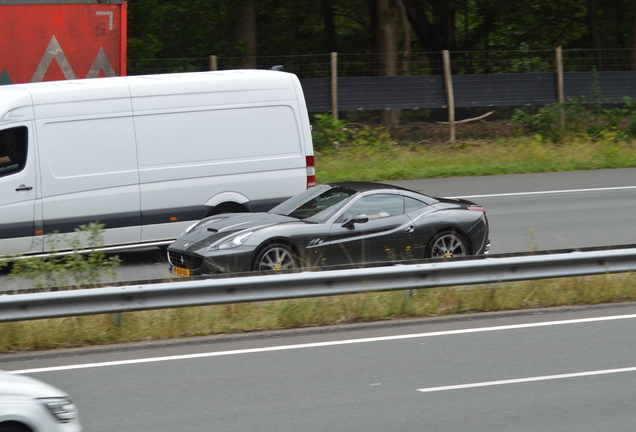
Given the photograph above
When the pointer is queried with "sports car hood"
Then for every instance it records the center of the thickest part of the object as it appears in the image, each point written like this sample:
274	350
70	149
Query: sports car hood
215	228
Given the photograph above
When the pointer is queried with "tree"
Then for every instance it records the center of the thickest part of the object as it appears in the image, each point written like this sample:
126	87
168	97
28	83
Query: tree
244	34
385	42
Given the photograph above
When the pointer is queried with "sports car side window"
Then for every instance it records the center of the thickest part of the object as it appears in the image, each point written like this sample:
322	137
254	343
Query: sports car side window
411	204
378	206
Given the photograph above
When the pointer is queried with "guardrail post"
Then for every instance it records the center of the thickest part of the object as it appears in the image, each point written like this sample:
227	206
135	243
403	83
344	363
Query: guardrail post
214	63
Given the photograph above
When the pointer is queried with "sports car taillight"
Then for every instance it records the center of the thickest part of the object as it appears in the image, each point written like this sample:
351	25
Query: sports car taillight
478	208
311	172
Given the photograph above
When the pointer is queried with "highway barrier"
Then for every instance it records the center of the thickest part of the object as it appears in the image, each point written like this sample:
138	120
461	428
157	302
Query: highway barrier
186	293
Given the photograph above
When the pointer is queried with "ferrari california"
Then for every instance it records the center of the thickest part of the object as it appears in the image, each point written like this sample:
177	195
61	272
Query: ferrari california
330	225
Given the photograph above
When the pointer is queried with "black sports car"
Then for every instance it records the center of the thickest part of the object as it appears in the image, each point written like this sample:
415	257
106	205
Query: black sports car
333	224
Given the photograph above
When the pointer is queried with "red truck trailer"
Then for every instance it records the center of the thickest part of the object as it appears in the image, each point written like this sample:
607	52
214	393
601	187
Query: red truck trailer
64	39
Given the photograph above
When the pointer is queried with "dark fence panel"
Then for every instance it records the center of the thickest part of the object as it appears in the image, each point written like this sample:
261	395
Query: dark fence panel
479	90
317	94
504	89
609	87
391	92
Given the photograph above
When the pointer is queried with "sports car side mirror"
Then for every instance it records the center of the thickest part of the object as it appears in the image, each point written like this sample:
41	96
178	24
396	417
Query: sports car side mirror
353	219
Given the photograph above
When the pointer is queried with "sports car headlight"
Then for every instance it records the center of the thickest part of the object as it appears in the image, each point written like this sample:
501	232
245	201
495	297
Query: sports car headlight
235	241
62	408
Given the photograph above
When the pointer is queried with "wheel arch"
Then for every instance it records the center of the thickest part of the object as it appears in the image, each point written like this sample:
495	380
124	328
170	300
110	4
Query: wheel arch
227	202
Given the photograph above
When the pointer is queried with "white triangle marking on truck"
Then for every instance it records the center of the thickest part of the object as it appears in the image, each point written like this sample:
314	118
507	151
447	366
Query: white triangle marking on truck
53	51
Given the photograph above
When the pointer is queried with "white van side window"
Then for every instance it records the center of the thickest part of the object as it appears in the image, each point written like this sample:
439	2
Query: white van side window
13	150
217	135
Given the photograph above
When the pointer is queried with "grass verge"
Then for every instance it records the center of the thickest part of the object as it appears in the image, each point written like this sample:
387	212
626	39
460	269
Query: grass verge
382	162
199	321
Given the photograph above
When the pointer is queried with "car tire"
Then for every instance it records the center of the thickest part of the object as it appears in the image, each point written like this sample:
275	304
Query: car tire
447	244
276	257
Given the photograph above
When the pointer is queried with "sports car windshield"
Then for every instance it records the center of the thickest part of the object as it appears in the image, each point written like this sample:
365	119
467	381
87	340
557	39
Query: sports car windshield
315	204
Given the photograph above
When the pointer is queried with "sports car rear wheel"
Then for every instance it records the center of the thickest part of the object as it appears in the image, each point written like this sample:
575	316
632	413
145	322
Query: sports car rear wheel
447	244
276	257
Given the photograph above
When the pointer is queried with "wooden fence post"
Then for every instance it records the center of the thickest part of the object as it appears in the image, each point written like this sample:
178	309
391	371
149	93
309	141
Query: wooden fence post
559	71
449	94
334	85
213	63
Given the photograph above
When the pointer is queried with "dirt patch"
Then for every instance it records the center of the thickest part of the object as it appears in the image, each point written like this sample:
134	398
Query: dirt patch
432	133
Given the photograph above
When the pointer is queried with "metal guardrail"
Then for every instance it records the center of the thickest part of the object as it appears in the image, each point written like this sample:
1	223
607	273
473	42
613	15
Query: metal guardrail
56	304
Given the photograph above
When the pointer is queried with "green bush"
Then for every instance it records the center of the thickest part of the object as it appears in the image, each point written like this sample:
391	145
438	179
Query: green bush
331	134
84	265
574	118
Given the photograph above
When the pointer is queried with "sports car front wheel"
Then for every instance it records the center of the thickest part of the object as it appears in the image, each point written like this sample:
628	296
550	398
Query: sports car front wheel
275	257
447	244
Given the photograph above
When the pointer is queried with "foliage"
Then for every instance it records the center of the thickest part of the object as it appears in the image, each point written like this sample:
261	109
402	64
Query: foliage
162	29
76	267
561	121
330	134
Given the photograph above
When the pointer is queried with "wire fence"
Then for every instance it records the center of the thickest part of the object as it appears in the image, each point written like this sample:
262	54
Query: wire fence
405	64
480	79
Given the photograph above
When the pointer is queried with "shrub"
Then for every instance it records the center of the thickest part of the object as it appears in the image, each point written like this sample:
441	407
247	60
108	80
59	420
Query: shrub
575	118
85	265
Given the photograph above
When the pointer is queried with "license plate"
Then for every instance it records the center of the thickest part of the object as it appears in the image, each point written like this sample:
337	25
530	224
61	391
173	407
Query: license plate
181	271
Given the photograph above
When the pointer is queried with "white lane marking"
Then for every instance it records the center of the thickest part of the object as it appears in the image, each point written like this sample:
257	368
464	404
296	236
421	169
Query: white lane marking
525	380
320	344
547	192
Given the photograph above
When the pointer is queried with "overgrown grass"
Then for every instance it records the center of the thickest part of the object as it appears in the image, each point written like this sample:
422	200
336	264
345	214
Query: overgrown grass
199	321
384	161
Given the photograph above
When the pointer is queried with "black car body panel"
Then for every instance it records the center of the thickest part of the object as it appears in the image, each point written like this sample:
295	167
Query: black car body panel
349	223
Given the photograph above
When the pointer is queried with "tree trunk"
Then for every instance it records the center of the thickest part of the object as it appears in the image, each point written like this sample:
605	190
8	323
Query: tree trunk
330	26
387	19
437	33
634	40
406	34
593	29
244	34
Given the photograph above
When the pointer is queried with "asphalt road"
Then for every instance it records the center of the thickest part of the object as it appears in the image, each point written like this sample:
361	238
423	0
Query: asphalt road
558	370
544	211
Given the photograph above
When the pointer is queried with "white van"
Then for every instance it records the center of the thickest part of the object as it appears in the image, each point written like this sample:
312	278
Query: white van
147	155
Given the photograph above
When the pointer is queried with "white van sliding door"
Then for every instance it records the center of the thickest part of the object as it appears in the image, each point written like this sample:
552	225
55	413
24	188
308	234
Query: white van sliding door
89	174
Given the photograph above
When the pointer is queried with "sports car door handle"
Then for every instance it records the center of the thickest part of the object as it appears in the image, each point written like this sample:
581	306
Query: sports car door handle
409	229
24	188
